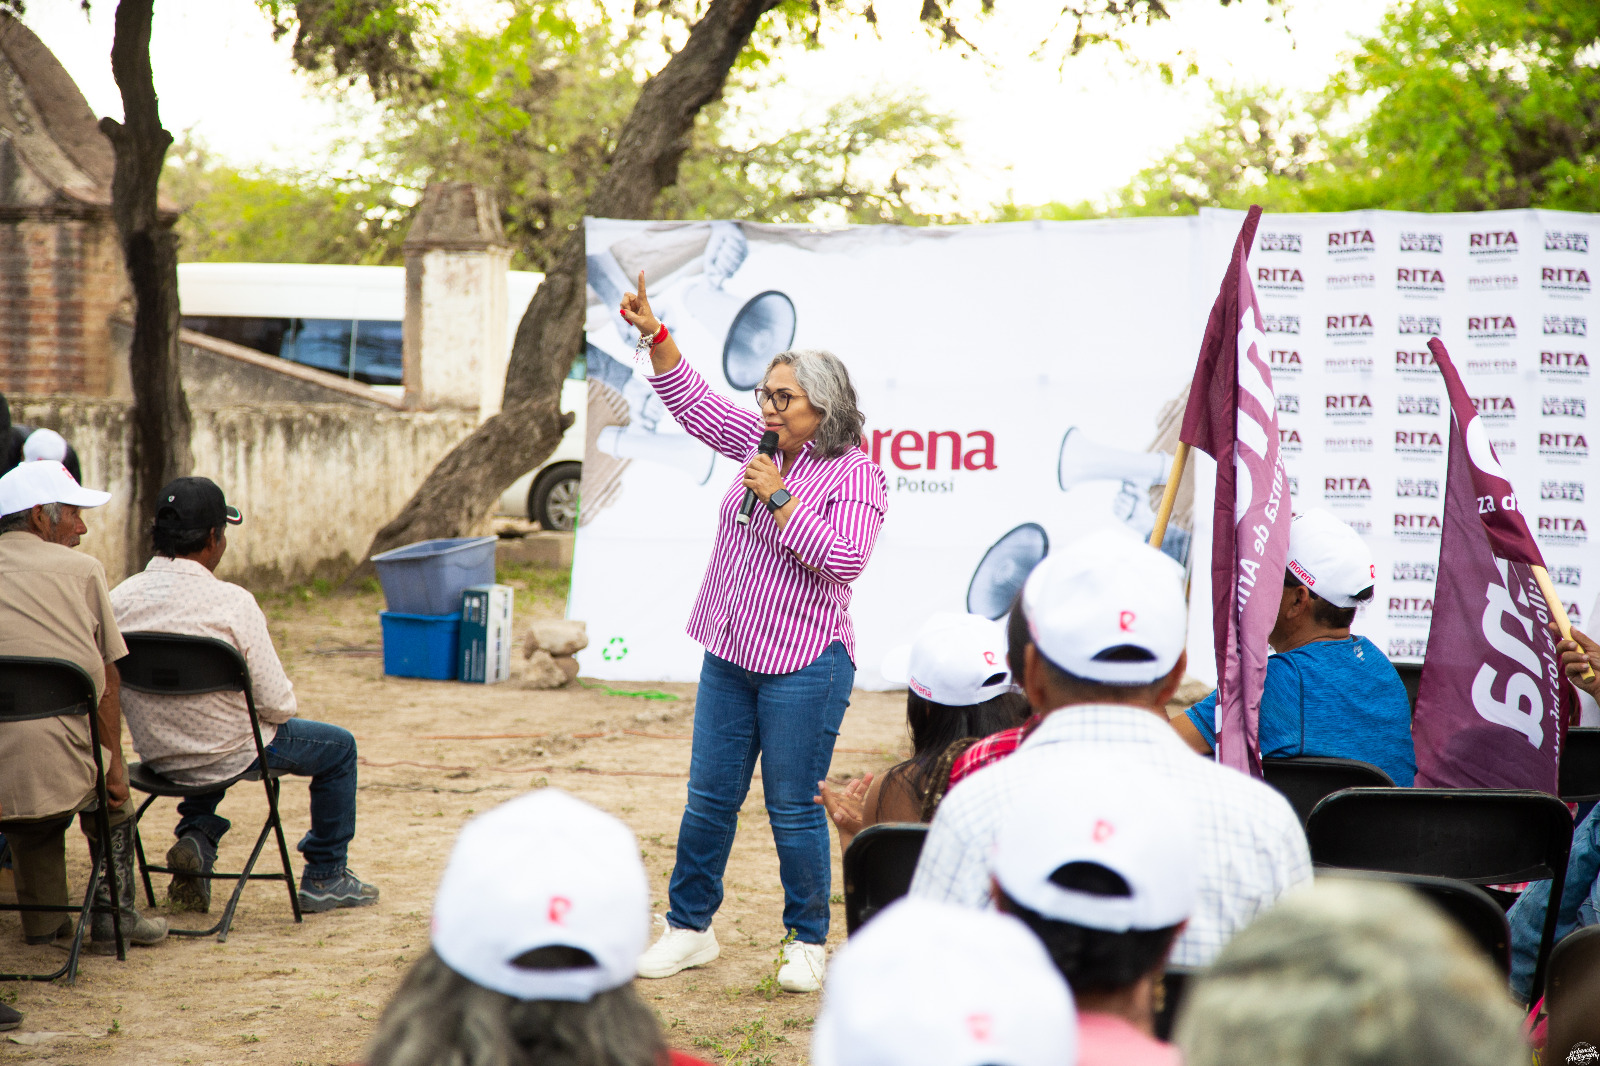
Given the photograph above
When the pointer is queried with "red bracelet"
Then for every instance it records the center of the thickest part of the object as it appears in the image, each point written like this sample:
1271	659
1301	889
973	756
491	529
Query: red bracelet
661	335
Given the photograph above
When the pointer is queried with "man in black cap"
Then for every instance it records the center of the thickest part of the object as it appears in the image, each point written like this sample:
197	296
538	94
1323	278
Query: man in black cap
198	740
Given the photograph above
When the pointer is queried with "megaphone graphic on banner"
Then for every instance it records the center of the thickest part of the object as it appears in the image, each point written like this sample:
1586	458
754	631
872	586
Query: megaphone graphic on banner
1004	568
677	450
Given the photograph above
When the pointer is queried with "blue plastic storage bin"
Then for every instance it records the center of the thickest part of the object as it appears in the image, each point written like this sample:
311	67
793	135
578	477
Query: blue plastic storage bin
428	577
421	645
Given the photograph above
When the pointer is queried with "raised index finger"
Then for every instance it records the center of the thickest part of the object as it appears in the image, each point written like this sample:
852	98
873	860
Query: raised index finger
641	285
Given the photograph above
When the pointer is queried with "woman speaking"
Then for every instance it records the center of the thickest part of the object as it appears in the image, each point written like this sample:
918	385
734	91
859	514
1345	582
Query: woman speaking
772	614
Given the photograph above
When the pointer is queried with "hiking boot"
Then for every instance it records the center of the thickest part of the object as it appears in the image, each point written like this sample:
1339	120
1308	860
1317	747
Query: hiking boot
677	950
136	929
60	938
344	890
802	967
192	854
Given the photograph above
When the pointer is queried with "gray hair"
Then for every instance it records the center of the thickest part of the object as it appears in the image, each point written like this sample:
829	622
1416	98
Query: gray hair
1350	972
438	1016
828	389
23	520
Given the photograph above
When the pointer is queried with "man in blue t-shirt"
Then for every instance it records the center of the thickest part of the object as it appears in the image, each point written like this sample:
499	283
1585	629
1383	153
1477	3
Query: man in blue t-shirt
1327	692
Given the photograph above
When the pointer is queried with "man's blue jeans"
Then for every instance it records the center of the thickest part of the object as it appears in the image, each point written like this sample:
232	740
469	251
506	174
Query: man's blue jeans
791	721
1580	905
326	754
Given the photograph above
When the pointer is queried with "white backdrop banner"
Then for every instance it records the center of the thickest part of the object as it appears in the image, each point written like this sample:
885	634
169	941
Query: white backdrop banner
1013	377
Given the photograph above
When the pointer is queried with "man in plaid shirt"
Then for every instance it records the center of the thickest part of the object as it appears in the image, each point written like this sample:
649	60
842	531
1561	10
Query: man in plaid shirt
1107	621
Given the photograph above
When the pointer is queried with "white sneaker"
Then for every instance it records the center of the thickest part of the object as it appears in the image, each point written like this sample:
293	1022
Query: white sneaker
802	967
677	950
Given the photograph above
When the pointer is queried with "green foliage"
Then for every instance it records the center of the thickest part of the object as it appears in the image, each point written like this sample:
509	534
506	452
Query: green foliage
371	40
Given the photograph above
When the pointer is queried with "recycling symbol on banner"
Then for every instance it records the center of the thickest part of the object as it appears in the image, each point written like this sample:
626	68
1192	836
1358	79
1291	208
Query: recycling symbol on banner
616	648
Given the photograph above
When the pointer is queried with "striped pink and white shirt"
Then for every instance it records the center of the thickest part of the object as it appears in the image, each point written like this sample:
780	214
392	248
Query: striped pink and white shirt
773	600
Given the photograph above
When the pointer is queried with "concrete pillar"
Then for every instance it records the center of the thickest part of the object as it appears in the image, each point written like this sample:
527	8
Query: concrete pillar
454	337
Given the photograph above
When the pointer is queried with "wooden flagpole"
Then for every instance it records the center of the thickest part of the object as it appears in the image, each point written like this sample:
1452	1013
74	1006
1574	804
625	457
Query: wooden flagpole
1169	496
1557	609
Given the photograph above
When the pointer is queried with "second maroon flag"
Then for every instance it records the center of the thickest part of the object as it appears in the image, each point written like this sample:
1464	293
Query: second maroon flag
1233	417
1489	703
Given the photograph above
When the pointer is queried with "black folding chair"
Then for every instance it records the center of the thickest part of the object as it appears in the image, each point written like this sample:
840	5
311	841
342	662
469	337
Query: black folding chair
878	867
1411	678
1481	836
32	689
172	664
1580	765
1473	909
1572	999
1305	780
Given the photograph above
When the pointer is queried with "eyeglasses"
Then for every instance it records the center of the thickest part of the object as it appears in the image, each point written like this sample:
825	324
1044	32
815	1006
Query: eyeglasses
779	400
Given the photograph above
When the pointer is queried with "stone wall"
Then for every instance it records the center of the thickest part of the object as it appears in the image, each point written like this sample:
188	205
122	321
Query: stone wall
315	481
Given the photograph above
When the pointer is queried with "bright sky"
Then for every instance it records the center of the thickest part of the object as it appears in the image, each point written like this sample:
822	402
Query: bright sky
1033	131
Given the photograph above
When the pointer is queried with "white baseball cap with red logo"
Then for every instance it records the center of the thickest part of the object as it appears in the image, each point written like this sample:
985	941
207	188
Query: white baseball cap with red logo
958	660
1330	558
44	481
543	870
1121	816
1109	608
928	983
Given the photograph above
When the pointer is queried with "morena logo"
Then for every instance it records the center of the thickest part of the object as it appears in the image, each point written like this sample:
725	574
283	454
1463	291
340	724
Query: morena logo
1423	360
1503	446
1418	442
1418	405
1417	487
1563	446
1346	488
1422	242
1491	282
1556	241
1564	407
1408	647
1419	279
1493	243
1351	242
1566	326
1280	279
1279	242
1491	327
1571	491
1564	364
1359	280
1357	325
1422	325
1497	365
1357	363
1280	324
906	449
1563	529
1347	444
1405	608
1567	575
1570	281
1493	408
1421	571
1288	404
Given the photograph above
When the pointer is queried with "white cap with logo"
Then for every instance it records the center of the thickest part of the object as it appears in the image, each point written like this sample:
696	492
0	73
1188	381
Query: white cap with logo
958	660
1108	608
543	870
1330	558
1122	817
27	485
927	983
44	444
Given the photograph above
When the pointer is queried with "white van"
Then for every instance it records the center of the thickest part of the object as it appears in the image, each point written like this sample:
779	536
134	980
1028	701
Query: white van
347	320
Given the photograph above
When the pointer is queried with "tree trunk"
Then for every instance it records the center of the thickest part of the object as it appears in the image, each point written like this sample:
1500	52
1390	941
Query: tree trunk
159	447
459	491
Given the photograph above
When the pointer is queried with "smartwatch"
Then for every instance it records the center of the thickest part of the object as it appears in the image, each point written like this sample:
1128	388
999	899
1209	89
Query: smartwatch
778	499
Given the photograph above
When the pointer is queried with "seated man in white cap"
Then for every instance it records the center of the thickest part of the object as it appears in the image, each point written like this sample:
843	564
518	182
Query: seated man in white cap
1108	621
53	604
958	690
1101	865
1327	692
538	925
931	984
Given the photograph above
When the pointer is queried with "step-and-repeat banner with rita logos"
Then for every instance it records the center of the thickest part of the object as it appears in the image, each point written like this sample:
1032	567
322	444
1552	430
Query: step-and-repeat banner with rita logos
1015	380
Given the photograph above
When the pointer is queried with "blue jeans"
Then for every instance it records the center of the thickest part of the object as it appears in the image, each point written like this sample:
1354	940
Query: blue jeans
326	754
791	721
1580	905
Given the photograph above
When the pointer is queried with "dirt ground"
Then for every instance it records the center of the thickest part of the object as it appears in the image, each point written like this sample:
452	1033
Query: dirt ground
433	753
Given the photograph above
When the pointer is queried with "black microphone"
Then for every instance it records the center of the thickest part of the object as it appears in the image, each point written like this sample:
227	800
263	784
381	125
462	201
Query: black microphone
769	448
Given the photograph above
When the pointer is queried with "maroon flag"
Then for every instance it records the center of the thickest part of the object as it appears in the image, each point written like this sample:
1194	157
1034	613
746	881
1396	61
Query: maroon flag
1233	417
1489	702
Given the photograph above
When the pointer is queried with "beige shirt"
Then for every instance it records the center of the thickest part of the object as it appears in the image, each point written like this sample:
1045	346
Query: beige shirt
53	603
196	740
